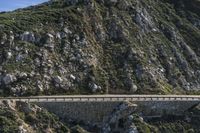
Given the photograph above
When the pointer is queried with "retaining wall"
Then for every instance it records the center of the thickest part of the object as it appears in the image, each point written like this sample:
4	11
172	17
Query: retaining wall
96	111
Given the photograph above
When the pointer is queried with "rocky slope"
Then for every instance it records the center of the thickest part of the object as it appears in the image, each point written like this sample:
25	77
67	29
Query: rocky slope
101	46
179	123
20	117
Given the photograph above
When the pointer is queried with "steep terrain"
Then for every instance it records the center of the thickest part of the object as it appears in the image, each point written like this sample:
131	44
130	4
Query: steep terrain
20	117
101	46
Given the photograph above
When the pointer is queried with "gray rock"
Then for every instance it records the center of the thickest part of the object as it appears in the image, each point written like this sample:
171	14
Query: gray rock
3	38
50	42
144	20
8	79
28	36
37	62
116	32
94	87
123	4
122	111
133	88
132	129
20	57
39	86
58	36
58	79
11	39
50	37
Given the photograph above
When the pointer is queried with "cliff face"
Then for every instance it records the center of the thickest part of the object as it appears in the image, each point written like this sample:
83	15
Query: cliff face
101	46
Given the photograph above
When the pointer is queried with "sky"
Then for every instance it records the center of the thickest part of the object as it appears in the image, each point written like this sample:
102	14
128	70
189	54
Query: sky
9	5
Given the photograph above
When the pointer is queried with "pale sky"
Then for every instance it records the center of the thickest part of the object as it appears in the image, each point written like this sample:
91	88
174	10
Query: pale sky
9	5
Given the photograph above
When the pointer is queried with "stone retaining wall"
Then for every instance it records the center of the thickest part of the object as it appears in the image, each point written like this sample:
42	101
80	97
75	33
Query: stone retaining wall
96	111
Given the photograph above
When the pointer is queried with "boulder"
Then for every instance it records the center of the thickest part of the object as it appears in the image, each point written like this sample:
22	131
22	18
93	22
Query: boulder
50	42
9	54
94	87
3	38
133	88
49	38
28	37
58	79
8	79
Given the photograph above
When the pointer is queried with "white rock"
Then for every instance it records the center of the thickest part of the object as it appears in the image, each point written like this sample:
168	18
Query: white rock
9	55
50	35
22	130
58	36
23	75
39	85
67	31
72	77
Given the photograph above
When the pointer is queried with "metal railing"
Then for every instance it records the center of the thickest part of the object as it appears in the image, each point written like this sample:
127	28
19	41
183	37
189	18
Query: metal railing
90	98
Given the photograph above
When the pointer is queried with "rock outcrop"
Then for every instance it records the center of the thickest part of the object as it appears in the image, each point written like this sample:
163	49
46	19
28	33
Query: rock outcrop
119	120
101	46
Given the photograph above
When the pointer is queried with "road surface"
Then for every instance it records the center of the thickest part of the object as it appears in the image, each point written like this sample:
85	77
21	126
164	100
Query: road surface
90	98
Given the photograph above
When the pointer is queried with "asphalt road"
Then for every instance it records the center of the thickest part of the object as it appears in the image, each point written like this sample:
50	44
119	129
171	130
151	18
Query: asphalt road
90	98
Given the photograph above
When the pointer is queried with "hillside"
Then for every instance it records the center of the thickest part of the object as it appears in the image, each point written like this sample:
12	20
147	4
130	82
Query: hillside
101	46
